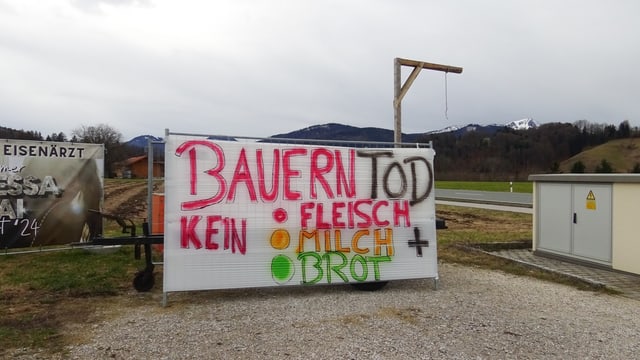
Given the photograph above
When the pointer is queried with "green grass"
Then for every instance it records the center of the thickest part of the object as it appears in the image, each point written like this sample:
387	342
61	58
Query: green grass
32	336
41	292
77	272
518	186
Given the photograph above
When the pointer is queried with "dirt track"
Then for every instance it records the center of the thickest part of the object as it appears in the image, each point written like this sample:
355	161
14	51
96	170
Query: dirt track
128	198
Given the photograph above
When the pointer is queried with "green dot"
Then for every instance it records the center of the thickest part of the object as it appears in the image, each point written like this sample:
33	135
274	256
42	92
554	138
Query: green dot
281	268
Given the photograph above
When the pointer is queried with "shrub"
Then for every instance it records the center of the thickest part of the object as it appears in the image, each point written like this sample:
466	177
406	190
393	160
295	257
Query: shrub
578	167
604	167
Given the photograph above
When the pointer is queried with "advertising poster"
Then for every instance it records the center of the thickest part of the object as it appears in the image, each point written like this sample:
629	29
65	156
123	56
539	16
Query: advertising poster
47	190
251	214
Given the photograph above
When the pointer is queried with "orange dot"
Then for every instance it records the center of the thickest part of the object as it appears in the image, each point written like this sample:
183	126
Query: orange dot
280	239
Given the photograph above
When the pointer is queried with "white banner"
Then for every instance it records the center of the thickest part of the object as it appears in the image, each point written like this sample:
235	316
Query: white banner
260	214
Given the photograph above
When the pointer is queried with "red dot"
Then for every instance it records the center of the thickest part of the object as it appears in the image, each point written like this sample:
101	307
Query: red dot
280	215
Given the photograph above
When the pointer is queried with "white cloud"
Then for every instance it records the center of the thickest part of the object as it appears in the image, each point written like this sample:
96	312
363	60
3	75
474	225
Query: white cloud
260	68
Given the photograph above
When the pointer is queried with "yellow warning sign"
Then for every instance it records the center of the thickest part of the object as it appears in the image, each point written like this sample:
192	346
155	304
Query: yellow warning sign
591	201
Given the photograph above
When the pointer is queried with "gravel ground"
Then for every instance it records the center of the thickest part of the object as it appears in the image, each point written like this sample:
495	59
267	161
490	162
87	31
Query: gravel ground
475	314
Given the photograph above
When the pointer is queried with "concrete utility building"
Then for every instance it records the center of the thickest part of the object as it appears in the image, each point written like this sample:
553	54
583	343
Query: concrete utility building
588	218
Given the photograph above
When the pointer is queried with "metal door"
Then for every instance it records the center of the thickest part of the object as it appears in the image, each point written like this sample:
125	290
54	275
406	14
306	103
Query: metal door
592	221
554	217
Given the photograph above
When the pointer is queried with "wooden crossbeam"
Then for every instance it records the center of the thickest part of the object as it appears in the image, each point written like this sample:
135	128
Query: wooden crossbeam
430	66
400	90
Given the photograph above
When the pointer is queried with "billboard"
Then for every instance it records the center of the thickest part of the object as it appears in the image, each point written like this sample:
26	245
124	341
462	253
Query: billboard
47	190
261	214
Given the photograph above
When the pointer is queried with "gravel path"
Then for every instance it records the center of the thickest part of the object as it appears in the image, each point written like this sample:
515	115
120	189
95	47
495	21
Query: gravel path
475	314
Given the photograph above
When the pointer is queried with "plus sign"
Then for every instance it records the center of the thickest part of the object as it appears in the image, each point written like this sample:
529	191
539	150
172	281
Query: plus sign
417	243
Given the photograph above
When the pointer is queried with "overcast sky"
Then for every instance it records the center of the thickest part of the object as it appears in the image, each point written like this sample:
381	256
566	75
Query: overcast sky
260	68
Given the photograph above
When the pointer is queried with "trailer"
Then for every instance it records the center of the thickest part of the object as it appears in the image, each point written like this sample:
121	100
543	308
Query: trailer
254	212
144	279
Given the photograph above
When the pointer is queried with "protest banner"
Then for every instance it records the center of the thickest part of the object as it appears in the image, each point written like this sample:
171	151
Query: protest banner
253	214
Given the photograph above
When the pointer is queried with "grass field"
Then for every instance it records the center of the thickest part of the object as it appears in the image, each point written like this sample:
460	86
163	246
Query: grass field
622	155
41	293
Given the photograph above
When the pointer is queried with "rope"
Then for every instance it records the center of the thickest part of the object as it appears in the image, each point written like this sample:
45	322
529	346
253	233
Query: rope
446	97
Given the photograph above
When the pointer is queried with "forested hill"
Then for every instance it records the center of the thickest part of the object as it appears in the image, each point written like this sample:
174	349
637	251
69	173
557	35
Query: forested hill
514	154
7	133
474	153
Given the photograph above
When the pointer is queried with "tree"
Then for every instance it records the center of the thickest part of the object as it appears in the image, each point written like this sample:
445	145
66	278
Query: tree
106	135
578	167
60	137
636	168
99	134
609	132
624	130
604	167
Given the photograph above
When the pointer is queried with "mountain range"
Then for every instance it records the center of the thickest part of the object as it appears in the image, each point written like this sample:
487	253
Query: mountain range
335	131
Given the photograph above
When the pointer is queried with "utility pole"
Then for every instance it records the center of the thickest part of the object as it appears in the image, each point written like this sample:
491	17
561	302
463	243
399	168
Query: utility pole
400	90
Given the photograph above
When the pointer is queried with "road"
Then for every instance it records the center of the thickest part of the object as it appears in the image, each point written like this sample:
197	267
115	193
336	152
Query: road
486	197
493	200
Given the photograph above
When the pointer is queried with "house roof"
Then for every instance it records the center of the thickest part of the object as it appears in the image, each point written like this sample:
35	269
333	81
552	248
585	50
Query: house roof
132	160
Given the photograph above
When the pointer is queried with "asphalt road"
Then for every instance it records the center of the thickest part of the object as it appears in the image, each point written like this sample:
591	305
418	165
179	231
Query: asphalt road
492	200
486	197
518	209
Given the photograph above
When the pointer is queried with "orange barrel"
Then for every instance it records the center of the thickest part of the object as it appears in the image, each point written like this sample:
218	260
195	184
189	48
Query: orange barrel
157	214
157	218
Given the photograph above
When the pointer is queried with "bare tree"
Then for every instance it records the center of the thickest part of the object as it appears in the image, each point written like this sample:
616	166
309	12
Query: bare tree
106	135
98	134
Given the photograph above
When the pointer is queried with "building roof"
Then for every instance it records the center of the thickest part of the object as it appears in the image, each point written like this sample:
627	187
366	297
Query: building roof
132	160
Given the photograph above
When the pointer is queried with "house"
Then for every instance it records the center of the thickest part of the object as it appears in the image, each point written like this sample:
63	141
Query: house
138	167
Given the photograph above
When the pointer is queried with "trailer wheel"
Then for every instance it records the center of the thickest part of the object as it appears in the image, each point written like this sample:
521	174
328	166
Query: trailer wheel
370	286
143	281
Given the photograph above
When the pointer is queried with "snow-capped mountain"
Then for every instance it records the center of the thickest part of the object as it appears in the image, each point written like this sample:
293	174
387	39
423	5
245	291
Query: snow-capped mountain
445	130
523	124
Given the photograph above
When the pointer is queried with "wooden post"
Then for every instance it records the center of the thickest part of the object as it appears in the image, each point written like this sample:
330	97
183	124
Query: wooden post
397	128
400	90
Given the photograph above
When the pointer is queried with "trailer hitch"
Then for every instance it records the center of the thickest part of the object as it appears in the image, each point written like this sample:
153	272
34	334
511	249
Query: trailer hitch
144	279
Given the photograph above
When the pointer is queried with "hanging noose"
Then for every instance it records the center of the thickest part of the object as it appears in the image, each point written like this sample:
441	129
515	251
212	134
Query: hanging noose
446	97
